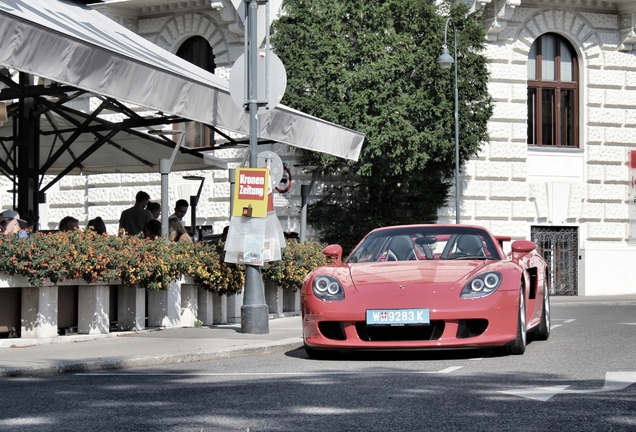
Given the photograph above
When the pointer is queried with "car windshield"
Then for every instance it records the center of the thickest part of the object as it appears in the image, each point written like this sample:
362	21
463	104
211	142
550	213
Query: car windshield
425	243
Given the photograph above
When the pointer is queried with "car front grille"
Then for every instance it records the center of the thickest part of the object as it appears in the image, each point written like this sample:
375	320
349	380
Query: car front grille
400	333
471	328
332	330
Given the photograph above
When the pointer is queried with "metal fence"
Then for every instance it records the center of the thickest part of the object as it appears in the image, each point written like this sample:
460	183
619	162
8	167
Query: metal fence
560	248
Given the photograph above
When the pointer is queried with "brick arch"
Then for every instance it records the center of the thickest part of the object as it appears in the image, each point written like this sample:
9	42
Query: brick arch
184	26
573	26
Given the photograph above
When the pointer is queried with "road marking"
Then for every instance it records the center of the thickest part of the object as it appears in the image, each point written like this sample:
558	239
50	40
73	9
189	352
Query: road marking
613	381
565	321
240	374
449	369
628	323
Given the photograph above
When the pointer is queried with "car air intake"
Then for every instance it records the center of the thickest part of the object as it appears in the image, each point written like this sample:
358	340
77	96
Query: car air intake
471	328
400	333
332	330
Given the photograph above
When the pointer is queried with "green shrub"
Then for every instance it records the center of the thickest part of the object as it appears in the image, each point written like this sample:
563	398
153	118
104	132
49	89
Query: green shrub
143	263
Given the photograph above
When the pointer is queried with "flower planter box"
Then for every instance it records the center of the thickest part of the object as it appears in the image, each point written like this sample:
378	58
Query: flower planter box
89	307
131	308
274	298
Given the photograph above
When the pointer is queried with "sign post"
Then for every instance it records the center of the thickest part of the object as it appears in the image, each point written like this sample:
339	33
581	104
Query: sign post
247	217
254	312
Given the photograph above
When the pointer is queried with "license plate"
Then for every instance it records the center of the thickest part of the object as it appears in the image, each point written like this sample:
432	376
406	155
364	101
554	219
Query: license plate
398	317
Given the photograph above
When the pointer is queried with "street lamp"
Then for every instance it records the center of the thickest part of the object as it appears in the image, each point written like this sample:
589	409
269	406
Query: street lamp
194	201
445	61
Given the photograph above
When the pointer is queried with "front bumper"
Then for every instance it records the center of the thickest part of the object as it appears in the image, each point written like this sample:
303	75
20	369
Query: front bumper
455	322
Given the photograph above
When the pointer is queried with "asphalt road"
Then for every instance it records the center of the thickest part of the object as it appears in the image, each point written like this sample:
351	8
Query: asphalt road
582	379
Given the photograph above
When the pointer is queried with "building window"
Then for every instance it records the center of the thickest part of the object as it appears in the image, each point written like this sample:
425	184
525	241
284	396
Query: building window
197	51
553	96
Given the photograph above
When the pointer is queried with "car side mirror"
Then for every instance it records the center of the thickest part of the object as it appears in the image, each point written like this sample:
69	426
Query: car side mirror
523	246
334	253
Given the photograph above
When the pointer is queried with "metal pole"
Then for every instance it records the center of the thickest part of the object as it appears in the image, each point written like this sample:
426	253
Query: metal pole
232	174
457	207
165	165
444	60
254	312
304	195
193	217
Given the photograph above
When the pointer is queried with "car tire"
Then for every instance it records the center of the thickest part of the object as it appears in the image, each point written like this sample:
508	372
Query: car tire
317	354
518	346
543	330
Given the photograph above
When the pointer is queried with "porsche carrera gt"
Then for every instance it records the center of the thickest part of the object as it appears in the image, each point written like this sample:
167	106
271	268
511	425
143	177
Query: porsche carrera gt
427	286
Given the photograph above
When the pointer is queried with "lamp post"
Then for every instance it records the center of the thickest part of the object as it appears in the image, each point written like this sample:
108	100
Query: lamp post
194	201
445	61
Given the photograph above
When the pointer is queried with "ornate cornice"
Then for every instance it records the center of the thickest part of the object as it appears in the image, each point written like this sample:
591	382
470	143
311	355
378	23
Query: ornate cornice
627	32
173	6
496	16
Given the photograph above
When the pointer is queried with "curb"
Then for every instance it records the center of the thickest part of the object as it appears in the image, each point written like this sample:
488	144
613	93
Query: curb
154	360
595	303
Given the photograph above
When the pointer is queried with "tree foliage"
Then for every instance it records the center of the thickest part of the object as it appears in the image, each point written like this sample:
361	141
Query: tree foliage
372	66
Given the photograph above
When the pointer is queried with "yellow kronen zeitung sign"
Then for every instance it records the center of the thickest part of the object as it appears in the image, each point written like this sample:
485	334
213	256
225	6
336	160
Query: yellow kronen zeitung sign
250	192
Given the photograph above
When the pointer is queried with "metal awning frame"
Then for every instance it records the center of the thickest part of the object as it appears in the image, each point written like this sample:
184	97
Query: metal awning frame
51	99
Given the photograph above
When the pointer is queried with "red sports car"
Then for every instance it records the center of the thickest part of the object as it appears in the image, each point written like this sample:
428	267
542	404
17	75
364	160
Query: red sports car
427	286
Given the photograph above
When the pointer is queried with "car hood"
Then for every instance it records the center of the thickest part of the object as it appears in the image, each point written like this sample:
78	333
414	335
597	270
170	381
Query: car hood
423	275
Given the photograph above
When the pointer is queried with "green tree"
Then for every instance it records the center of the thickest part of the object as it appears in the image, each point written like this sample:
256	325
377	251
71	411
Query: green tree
372	66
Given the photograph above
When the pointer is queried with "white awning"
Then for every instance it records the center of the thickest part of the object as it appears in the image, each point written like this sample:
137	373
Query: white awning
77	46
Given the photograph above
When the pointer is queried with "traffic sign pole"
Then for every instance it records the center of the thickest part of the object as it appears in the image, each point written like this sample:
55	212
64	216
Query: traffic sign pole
254	312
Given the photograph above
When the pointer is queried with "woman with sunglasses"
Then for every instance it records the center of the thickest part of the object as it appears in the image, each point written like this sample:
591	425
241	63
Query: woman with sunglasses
10	222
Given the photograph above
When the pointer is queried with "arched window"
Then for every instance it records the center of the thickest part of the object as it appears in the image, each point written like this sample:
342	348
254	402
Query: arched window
197	51
553	93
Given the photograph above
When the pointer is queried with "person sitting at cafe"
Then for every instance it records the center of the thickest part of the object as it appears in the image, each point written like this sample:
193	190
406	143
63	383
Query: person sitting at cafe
97	225
152	229
154	208
28	228
176	231
10	222
69	223
180	209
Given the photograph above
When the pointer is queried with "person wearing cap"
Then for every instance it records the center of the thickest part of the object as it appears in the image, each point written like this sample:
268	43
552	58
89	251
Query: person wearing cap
10	222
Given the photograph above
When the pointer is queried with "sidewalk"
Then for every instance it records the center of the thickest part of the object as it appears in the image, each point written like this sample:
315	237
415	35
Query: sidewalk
146	348
609	300
24	357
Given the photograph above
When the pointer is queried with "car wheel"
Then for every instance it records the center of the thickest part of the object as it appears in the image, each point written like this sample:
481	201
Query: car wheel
518	346
543	331
317	354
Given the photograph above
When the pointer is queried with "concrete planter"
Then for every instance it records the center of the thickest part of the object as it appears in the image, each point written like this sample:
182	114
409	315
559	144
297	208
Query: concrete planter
39	313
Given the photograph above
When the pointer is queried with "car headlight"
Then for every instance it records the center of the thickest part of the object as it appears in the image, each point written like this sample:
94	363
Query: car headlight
327	288
482	285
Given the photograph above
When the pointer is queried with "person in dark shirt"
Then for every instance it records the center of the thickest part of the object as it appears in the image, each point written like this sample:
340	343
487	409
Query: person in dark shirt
132	220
